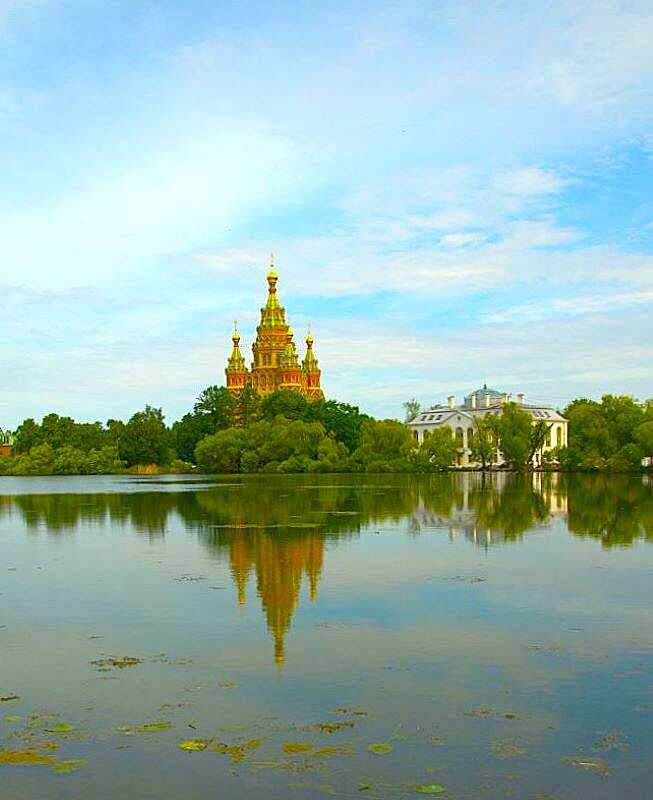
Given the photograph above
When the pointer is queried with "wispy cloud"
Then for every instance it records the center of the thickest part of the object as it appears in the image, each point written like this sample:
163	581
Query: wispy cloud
445	203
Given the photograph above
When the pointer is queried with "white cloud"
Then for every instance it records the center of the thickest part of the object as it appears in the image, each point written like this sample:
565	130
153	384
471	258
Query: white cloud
461	239
204	180
529	181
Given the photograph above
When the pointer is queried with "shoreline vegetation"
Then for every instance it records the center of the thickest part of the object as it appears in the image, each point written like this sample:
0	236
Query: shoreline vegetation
285	433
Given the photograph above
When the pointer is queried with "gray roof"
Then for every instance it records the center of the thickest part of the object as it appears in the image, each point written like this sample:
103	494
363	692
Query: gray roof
439	414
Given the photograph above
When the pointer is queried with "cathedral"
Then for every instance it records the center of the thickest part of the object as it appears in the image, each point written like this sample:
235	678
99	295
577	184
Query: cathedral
276	364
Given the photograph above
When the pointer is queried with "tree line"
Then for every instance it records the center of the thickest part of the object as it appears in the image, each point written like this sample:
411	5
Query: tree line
284	432
615	434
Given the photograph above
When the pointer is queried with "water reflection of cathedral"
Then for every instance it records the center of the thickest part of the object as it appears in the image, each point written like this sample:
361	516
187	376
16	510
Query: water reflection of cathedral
280	564
272	530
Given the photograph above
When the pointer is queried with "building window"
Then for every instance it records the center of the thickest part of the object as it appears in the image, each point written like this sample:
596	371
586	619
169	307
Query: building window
559	437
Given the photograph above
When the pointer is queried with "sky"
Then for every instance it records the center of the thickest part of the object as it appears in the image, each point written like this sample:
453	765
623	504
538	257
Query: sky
456	193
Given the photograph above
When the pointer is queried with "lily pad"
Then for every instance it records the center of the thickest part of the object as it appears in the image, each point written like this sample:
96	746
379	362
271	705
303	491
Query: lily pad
236	752
380	748
153	727
7	698
297	747
332	727
115	662
71	765
27	758
430	788
253	744
61	727
193	745
327	752
12	718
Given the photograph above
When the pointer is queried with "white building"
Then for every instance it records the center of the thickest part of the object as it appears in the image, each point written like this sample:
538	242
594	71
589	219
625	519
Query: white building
461	420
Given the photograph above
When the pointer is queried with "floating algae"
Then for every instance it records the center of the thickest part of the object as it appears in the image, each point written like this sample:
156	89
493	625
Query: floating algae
71	765
591	764
115	662
327	752
507	748
193	745
380	748
297	747
25	758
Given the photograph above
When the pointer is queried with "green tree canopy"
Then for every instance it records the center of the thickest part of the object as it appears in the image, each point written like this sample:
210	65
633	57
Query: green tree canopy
145	439
514	428
485	440
644	437
412	409
284	403
437	452
386	446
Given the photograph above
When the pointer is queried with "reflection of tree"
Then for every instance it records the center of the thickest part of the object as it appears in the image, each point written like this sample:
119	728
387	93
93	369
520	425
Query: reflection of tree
274	528
145	511
487	507
509	509
617	509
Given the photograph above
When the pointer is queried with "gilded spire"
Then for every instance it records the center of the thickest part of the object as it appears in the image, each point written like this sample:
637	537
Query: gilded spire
236	362
273	315
310	362
290	353
272	274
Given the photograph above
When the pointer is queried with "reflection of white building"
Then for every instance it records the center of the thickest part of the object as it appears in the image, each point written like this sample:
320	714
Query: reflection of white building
463	517
461	420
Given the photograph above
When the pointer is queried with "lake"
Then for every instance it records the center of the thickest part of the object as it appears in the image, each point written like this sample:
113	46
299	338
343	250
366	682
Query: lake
308	636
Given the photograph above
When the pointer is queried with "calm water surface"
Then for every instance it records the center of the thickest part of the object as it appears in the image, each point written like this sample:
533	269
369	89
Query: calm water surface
380	637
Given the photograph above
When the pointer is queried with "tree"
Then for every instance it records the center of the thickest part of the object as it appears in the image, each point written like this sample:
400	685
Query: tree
285	403
39	461
218	404
644	437
221	452
386	446
145	439
601	435
247	406
437	452
28	435
514	427
344	421
188	432
412	409
538	434
485	440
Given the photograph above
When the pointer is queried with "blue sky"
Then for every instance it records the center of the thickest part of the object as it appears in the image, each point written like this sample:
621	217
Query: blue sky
455	192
